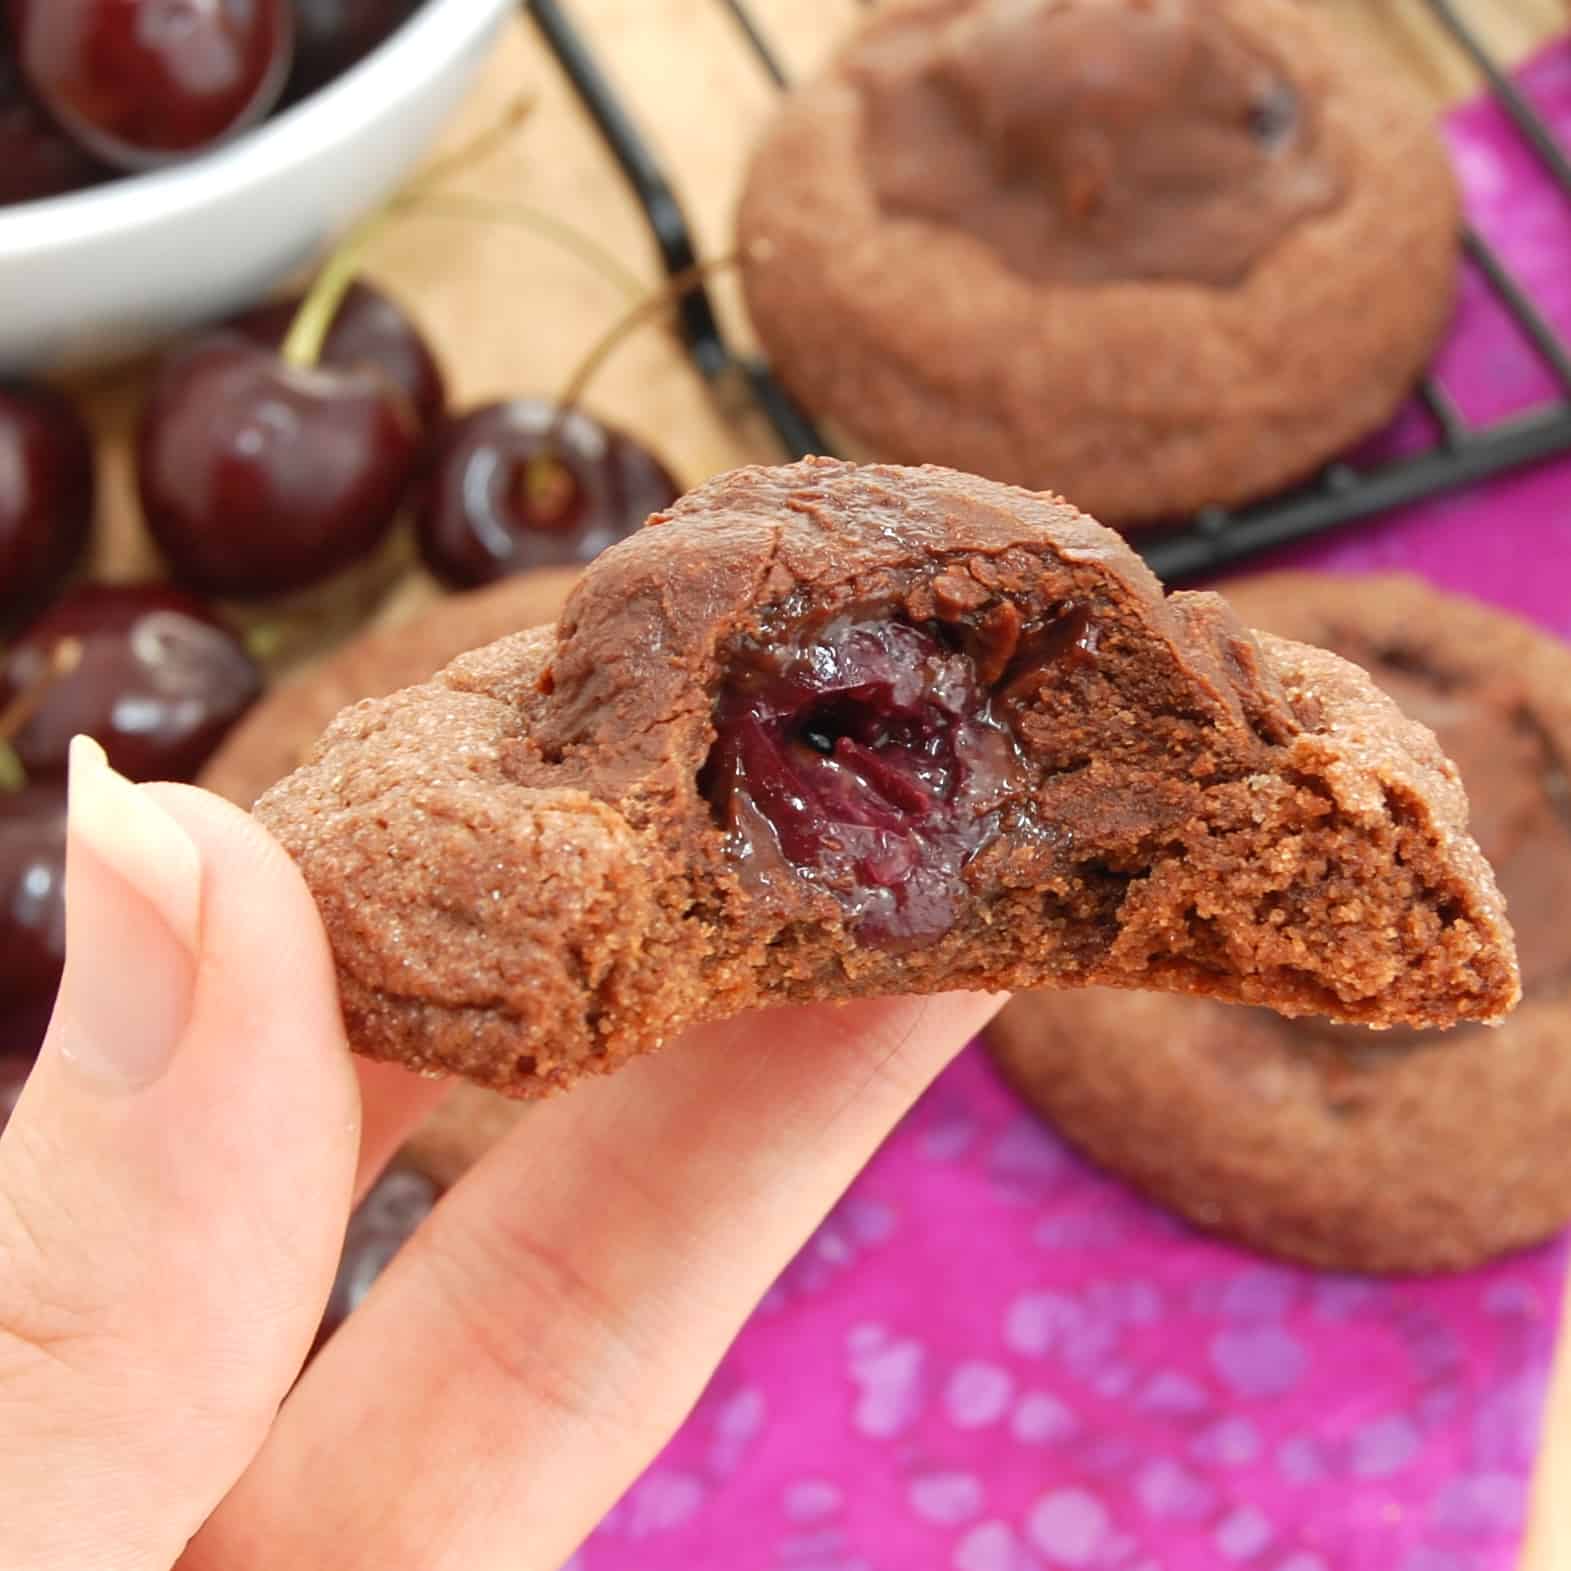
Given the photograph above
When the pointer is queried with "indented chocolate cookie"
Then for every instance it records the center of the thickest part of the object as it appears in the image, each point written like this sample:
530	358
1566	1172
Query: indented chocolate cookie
823	732
1400	1152
1152	254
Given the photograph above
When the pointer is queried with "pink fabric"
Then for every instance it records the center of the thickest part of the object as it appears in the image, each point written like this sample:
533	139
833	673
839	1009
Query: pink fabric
991	1358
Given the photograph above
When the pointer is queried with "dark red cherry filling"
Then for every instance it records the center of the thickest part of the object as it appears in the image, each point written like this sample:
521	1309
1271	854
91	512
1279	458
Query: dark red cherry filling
875	761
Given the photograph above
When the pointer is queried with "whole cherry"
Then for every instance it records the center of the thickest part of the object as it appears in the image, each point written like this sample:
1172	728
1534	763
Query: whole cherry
155	677
37	159
32	913
140	82
370	331
258	476
513	486
46	494
332	35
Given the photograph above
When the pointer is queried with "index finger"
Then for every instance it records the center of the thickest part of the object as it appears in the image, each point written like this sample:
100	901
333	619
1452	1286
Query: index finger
548	1328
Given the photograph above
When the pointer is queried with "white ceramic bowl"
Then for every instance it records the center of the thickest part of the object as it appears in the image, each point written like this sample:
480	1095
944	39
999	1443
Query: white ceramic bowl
103	273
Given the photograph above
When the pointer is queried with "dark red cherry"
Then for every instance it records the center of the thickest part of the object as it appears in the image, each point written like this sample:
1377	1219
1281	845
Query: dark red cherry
158	682
46	495
370	331
332	35
257	477
383	1222
32	912
871	759
37	159
139	82
526	484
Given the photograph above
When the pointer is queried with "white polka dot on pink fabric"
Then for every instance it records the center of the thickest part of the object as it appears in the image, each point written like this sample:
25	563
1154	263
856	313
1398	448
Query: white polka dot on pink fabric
1230	1442
978	1394
811	1499
946	1498
1035	1323
1385	1446
1070	1527
1168	1489
1244	1533
992	1546
888	1375
1040	1418
662	1502
737	1422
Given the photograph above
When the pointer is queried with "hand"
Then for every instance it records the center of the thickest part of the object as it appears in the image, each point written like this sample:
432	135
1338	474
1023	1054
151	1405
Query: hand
174	1187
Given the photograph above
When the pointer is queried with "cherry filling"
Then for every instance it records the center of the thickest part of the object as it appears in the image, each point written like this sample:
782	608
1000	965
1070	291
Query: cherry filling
875	762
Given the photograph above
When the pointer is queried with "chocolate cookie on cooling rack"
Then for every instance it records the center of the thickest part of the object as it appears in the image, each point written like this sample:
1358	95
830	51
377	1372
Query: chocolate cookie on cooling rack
1396	1152
1149	254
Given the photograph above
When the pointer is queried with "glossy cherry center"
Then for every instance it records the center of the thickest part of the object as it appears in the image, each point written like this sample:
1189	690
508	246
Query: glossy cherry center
869	760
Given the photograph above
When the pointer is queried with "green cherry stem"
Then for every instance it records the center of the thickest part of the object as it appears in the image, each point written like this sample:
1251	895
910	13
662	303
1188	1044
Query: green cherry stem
460	205
479	147
650	308
302	346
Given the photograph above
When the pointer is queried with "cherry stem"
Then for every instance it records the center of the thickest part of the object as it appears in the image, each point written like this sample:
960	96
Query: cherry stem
480	146
64	658
652	306
302	346
459	204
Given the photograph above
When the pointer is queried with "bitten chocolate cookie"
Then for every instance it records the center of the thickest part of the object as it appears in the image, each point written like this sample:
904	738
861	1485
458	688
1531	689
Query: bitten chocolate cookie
280	731
1401	1152
822	732
1151	254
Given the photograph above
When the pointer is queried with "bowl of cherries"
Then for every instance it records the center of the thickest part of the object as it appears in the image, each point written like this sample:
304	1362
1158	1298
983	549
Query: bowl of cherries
163	162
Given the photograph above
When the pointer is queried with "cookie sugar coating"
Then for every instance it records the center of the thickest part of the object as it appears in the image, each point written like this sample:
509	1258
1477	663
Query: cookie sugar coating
1152	254
576	841
1408	1151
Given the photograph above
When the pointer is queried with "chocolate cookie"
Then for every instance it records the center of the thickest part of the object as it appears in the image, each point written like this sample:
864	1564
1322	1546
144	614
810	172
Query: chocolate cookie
1152	254
1403	1152
822	732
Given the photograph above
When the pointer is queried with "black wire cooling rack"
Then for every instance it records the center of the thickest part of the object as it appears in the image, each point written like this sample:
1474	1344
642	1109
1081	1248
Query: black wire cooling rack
1214	538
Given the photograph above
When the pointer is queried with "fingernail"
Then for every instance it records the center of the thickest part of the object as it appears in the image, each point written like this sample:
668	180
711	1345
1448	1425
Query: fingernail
133	892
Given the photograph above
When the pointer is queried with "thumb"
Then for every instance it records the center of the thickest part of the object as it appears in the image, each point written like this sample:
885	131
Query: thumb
174	1182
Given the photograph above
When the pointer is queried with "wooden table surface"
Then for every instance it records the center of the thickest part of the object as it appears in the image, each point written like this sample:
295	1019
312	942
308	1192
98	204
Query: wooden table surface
511	312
